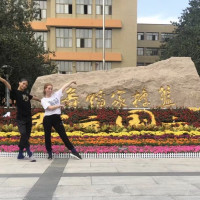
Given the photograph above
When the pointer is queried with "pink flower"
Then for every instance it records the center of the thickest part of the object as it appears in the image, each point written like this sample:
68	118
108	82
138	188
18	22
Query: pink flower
108	149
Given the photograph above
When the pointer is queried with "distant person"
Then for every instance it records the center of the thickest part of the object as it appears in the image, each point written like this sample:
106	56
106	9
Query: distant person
12	102
3	102
52	118
24	120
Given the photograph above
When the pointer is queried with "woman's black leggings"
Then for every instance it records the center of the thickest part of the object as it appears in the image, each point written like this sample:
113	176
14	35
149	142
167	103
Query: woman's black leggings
55	122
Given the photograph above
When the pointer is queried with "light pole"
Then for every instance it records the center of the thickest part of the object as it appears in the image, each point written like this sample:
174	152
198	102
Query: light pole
58	68
7	69
103	34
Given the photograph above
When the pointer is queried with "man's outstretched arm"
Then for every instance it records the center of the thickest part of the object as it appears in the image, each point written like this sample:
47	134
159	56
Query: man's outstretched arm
5	83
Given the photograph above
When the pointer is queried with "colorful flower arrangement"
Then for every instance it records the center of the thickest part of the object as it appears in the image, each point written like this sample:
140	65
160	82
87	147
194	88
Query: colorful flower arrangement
113	131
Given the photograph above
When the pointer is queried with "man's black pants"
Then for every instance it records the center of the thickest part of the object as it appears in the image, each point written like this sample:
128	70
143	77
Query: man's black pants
24	127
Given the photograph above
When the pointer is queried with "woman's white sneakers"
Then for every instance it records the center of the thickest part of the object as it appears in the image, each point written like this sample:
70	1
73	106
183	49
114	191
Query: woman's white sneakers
76	155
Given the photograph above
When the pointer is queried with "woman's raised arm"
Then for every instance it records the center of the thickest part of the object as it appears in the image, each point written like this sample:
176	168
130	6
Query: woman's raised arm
67	85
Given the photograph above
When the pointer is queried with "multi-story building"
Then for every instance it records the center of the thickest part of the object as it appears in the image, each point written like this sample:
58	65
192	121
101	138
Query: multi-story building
149	40
73	30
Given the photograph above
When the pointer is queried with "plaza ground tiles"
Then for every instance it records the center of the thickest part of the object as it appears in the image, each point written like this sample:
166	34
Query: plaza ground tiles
100	179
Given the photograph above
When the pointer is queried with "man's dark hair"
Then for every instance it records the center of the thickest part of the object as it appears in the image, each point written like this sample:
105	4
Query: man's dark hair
23	79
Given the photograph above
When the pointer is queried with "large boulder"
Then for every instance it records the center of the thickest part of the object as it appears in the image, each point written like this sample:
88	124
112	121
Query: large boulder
169	83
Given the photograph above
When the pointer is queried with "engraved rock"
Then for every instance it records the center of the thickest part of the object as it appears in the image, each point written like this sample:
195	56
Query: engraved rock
169	83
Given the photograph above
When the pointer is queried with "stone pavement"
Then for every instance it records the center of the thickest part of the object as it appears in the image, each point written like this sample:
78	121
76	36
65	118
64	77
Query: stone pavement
100	179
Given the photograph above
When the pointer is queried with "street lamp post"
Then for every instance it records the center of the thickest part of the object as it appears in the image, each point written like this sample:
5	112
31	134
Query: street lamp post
103	34
7	69
7	94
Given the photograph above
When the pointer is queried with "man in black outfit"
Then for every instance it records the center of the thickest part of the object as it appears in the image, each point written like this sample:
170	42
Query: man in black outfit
24	121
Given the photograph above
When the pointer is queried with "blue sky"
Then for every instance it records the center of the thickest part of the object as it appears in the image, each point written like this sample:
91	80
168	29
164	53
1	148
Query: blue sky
160	11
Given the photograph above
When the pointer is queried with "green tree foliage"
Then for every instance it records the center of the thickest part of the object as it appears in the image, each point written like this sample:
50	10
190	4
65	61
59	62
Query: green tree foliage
18	47
186	40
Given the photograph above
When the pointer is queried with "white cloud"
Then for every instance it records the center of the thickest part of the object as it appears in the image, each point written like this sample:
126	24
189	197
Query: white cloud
158	19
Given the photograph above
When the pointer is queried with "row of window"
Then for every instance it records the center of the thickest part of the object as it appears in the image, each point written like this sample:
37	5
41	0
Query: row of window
141	51
82	7
64	38
143	64
42	36
154	36
66	67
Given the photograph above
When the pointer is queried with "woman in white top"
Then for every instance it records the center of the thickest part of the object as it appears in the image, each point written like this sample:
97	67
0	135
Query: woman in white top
52	106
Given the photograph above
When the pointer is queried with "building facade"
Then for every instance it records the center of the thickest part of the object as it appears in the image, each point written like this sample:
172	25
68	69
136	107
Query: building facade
73	30
149	40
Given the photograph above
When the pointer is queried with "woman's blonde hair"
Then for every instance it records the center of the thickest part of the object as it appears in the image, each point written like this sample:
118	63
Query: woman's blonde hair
45	86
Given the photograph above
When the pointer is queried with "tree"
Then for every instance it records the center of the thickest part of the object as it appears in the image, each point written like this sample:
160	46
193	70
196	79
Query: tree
18	47
186	40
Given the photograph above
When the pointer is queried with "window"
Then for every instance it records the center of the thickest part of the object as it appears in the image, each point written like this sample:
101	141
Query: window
146	64
83	66
166	36
42	6
140	64
42	37
99	38
162	51
83	38
140	51
152	36
64	37
99	66
108	7
84	6
140	36
151	51
64	6
64	67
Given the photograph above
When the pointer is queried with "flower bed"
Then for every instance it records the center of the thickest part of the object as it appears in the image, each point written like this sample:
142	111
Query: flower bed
113	131
110	116
124	142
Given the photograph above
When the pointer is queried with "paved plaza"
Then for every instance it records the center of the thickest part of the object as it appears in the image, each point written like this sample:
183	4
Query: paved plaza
100	179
